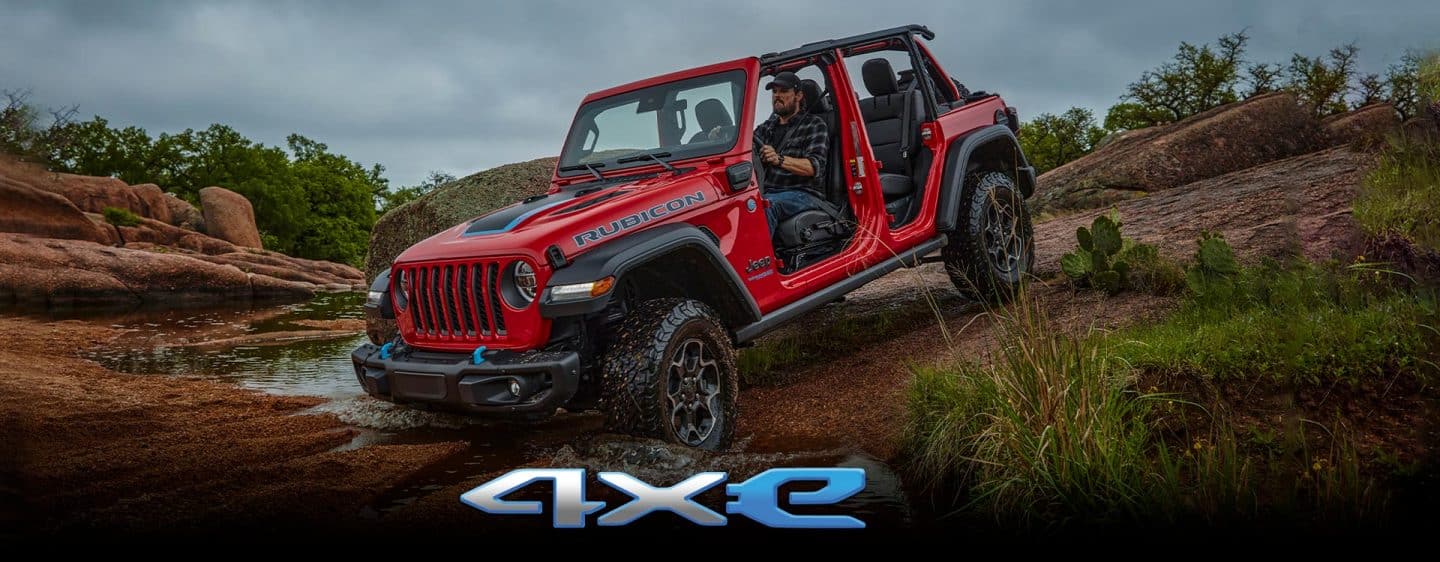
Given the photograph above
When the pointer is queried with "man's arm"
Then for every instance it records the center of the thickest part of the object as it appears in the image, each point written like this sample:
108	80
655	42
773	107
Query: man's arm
815	142
798	166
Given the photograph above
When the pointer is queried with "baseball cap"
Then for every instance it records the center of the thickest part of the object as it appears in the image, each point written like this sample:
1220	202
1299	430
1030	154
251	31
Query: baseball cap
785	79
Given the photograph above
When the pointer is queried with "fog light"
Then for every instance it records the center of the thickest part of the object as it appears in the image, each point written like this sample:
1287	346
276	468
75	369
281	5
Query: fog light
515	388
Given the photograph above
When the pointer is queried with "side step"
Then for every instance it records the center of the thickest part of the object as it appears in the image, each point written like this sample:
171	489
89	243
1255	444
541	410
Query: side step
910	258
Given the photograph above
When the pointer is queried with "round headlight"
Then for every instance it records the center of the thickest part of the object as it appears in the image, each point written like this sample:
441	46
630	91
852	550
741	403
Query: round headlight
402	296
525	282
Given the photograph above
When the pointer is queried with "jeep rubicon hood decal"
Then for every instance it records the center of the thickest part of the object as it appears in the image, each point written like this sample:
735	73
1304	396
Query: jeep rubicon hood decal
635	219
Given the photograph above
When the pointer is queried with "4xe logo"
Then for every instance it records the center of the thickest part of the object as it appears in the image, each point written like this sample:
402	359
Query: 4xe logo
757	498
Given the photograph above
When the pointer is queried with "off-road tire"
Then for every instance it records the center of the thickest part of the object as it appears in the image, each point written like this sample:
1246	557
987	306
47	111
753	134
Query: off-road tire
968	258
636	376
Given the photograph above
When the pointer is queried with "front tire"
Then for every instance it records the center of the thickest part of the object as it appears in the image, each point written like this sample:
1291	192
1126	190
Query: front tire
993	249
670	374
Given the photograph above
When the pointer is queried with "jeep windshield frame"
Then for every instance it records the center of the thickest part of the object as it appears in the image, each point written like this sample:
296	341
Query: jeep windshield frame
658	118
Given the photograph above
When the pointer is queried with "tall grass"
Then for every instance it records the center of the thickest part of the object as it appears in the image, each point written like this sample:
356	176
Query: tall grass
1056	429
1401	195
1049	428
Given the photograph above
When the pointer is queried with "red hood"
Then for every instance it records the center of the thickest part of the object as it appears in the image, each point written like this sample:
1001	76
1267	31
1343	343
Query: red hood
575	219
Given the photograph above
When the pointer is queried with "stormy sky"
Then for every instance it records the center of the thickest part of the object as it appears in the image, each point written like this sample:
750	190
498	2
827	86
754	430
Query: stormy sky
463	86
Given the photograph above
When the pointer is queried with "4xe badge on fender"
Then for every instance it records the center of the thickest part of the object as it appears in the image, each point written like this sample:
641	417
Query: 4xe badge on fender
631	221
757	498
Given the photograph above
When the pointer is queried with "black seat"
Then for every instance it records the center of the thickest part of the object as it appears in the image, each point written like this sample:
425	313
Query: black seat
892	119
810	227
710	114
832	186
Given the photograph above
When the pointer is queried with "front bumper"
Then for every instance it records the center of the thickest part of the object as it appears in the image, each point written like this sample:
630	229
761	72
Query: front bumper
451	381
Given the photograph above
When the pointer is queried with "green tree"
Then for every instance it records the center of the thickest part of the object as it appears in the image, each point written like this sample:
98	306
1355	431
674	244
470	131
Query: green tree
1320	83
21	132
394	198
1049	141
1263	78
1127	116
1196	79
1369	89
96	149
341	195
1402	85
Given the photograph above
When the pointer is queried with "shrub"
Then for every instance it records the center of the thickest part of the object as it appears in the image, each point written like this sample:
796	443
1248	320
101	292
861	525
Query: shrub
120	217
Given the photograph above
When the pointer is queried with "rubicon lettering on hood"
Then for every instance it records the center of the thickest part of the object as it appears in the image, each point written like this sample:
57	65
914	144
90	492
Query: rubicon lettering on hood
631	221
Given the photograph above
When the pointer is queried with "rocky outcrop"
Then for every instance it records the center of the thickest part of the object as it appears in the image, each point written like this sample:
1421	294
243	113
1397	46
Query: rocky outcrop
53	272
54	253
1225	139
1296	206
229	217
47	272
1364	127
43	213
451	204
94	194
183	214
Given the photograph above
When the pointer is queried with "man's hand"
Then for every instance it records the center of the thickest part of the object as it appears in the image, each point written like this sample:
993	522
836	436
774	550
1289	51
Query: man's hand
769	156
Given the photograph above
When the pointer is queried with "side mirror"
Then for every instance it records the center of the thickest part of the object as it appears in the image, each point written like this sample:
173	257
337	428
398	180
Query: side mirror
739	175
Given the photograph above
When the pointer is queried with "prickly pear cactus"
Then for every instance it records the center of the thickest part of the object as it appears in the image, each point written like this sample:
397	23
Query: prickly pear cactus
1094	263
1213	275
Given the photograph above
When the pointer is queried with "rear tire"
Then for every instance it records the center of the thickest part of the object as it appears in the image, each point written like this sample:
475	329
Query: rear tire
670	374
993	247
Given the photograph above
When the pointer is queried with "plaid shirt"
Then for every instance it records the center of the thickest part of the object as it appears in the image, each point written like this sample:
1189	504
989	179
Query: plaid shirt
808	138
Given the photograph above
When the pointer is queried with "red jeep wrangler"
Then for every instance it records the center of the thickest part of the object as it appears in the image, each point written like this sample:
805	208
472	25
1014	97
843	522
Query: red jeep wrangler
631	281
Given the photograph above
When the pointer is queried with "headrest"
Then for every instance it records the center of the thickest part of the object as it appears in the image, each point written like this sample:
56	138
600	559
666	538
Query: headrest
814	100
711	113
879	77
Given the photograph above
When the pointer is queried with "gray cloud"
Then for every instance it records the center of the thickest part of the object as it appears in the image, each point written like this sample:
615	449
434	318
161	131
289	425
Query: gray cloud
463	86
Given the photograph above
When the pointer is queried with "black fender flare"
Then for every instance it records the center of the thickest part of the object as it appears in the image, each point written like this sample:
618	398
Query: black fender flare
632	251
381	285
957	163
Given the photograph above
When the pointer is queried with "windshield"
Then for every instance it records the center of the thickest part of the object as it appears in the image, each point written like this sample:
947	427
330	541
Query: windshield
682	119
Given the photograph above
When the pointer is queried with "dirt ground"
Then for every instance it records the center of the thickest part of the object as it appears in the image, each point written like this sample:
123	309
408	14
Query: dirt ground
90	449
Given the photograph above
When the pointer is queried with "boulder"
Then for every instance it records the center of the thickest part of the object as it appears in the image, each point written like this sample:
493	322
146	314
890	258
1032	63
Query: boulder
1225	139
451	204
229	217
43	213
1364	127
1297	206
153	202
183	214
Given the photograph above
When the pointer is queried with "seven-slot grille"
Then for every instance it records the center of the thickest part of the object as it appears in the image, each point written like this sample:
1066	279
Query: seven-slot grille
456	301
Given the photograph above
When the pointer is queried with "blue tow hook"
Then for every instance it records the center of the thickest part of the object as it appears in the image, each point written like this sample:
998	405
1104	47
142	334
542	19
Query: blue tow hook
478	357
385	350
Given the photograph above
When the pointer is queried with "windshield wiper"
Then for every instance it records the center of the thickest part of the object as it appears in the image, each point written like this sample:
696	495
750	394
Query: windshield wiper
587	167
656	156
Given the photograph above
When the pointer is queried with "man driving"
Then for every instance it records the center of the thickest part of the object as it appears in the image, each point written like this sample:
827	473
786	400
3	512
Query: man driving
792	147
